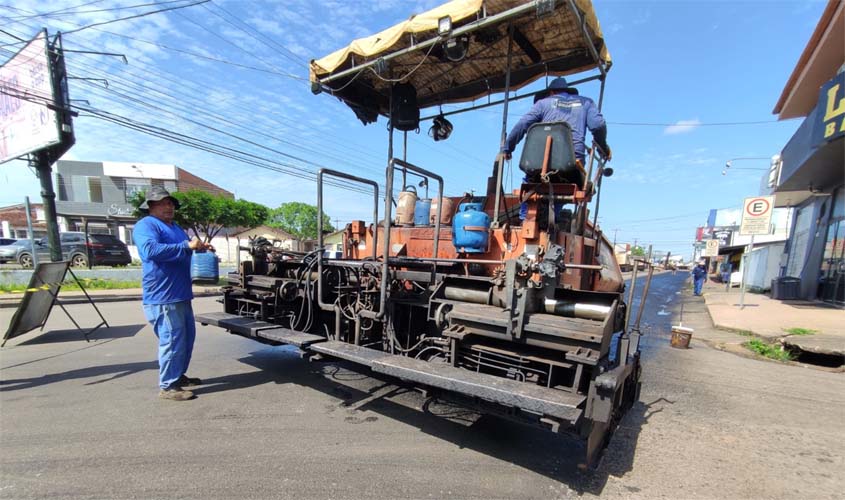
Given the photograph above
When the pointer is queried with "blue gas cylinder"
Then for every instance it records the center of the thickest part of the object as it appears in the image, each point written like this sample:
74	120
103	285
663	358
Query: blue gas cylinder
205	269
470	228
421	212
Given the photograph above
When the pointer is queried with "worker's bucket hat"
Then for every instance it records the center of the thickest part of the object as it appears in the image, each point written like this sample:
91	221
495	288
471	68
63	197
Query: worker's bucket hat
156	193
560	83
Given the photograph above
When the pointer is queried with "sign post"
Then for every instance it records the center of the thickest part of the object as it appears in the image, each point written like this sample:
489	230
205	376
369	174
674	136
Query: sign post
756	219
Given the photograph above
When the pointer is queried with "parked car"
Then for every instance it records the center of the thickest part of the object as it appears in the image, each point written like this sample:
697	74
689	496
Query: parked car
99	249
7	254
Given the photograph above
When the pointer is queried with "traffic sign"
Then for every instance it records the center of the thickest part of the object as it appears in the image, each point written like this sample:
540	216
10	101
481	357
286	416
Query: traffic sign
757	215
711	248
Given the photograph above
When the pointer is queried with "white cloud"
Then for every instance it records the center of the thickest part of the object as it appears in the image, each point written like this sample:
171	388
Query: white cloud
682	127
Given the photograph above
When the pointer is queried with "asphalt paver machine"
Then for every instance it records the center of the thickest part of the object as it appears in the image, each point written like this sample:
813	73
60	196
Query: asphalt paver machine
519	315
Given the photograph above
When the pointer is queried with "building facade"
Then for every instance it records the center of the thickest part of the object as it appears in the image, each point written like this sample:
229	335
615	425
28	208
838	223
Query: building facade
810	177
13	221
96	196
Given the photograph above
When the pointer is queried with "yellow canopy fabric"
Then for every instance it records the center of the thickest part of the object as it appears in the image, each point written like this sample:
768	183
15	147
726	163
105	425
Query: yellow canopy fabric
383	41
549	45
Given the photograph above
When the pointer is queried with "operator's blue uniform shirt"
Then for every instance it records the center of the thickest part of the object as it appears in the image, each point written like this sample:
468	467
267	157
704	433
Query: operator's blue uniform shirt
166	261
581	113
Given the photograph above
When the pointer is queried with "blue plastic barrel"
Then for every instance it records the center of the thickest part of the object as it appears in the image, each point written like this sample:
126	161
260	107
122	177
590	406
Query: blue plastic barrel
205	269
470	228
421	212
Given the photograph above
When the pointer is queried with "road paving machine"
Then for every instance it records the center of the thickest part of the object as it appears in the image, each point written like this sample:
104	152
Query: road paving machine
518	315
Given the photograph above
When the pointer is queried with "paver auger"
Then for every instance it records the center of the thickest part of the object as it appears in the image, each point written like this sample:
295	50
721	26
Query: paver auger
521	318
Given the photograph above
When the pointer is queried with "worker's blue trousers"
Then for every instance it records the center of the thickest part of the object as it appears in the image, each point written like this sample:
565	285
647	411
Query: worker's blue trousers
174	326
698	283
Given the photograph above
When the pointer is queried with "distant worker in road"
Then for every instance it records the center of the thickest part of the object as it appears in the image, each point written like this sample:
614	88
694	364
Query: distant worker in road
563	104
699	276
166	261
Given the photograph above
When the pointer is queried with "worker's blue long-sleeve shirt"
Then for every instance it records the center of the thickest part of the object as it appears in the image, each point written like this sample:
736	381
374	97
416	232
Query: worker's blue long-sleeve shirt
581	113
165	259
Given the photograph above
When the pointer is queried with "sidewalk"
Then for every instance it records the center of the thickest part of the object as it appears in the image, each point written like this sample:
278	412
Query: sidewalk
769	319
76	297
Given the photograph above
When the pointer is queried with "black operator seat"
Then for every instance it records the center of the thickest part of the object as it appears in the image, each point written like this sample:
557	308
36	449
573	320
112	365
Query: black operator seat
561	159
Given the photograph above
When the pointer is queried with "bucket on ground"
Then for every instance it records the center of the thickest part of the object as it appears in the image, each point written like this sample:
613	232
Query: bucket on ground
681	336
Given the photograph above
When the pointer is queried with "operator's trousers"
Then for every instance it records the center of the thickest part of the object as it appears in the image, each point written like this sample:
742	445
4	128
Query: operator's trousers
174	326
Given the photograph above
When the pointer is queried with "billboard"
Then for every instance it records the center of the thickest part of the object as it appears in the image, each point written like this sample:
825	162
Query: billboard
27	124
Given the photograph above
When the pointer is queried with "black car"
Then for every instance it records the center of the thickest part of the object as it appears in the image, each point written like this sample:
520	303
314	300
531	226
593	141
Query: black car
107	250
99	250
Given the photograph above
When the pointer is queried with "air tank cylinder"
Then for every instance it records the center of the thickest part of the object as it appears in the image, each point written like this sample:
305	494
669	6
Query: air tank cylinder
405	206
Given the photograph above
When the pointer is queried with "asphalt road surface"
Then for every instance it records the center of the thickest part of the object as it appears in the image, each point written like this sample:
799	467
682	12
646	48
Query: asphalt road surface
82	420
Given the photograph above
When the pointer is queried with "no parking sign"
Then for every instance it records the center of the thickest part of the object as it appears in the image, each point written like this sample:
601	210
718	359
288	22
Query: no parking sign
757	215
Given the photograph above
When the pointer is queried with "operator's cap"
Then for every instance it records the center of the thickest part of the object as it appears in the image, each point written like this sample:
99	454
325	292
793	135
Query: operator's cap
156	193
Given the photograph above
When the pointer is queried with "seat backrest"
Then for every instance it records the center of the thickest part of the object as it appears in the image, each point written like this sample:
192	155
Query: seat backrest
562	157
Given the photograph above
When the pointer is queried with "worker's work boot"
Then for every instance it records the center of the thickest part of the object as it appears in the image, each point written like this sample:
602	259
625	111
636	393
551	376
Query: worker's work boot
175	393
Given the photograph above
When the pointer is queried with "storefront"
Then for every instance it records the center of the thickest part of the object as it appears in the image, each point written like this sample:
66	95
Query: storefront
811	178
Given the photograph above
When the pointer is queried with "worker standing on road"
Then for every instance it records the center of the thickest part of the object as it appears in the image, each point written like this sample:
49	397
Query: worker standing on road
166	260
699	276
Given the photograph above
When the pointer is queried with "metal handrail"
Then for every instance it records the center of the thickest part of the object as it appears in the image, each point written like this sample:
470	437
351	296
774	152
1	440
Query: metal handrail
341	175
392	165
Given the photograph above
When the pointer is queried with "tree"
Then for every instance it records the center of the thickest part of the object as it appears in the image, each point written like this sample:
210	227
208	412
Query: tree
637	251
206	214
299	219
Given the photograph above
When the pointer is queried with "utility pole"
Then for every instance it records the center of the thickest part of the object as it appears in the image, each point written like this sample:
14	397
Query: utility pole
42	160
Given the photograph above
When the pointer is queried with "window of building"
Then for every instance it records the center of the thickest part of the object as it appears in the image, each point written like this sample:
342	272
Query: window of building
134	186
95	189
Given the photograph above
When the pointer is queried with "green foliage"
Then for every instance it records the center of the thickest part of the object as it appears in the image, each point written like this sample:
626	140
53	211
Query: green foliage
800	331
89	284
771	351
299	219
638	251
207	214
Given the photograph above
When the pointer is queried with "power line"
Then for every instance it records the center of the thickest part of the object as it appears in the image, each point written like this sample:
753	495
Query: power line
71	10
144	14
287	52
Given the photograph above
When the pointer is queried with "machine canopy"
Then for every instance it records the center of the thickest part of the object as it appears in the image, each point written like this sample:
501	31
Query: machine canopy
469	60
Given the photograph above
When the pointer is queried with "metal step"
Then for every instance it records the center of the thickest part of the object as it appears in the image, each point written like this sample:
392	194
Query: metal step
213	318
350	352
234	323
542	400
288	336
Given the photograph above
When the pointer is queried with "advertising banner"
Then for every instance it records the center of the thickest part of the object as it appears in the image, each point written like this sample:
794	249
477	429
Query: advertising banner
830	111
27	124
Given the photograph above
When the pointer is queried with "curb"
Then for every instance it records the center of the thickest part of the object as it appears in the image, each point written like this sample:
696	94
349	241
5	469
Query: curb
81	299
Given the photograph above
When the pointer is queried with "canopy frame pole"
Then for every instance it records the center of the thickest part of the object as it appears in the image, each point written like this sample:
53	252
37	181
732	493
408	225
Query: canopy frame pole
469	28
582	24
501	101
500	164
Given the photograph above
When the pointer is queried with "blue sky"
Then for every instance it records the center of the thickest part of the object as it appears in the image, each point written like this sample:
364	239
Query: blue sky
679	68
